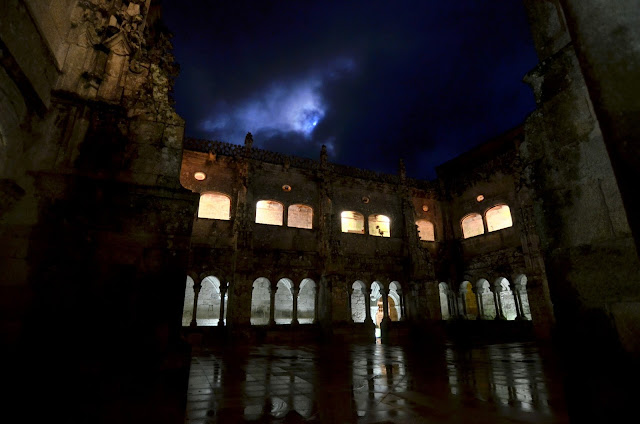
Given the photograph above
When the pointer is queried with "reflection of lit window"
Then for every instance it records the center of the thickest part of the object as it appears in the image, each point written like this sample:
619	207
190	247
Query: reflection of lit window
352	222
425	230
472	225
214	206
300	216
269	212
498	217
380	226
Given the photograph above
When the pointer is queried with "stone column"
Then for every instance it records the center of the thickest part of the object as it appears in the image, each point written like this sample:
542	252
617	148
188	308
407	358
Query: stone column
385	304
402	311
517	292
223	293
315	303
477	291
463	301
294	291
497	300
196	293
453	304
516	296
272	305
367	306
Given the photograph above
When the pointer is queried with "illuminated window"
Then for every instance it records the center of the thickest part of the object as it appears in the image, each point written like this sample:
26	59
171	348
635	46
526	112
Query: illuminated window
352	222
269	212
380	226
214	206
472	225
498	217
425	230
300	216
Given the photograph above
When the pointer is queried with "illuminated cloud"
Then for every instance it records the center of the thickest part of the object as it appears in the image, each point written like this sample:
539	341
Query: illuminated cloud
293	107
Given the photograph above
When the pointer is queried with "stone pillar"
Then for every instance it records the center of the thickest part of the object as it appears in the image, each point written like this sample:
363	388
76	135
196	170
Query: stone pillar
272	304
294	291
463	301
402	311
315	303
516	300
367	306
606	36
385	305
453	304
223	293
478	292
517	292
497	300
196	293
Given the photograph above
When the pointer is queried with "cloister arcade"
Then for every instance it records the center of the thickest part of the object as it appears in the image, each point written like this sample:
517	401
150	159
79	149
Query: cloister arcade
210	301
485	301
287	302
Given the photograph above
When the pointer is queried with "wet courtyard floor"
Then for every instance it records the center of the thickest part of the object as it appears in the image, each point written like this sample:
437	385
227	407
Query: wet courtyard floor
498	383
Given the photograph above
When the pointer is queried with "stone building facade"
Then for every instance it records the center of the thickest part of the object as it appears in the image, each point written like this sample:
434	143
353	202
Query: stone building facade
278	237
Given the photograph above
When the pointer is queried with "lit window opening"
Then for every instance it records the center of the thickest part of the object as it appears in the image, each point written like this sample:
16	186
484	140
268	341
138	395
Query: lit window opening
269	212
498	218
472	225
214	206
379	226
352	222
300	216
425	230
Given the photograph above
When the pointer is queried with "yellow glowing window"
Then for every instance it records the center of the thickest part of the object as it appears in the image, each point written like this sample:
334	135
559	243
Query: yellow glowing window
269	212
425	230
498	217
472	225
300	216
214	206
380	226
352	222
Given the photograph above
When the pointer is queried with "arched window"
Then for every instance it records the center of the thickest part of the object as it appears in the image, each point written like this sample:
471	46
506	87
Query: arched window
260	301
283	302
472	225
379	225
307	301
425	230
300	216
352	222
214	206
498	217
269	212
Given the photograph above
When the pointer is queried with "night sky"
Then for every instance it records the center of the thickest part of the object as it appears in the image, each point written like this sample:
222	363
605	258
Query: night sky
373	80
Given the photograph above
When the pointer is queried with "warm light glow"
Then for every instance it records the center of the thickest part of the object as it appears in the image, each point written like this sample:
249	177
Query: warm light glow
472	225
286	187
199	175
480	198
214	206
300	216
269	212
379	225
498	217
425	230
352	222
425	208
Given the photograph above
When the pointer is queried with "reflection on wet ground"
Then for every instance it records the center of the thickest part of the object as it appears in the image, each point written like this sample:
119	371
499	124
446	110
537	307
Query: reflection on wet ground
373	384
